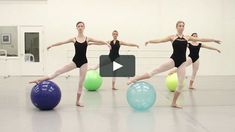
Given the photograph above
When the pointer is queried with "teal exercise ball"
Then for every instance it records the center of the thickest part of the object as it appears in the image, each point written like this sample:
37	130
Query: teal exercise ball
141	96
92	81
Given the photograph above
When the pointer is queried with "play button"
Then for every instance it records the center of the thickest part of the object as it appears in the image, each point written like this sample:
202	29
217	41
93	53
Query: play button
116	66
123	66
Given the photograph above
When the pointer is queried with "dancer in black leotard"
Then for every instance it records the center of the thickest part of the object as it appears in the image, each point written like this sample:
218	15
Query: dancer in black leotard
178	58
193	58
194	51
179	49
80	53
79	59
114	52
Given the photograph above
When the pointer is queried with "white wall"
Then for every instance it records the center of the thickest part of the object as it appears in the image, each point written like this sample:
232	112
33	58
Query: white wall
136	21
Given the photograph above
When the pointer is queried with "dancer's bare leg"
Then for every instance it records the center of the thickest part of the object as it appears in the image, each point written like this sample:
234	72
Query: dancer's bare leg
194	73
113	83
181	76
83	70
58	72
162	68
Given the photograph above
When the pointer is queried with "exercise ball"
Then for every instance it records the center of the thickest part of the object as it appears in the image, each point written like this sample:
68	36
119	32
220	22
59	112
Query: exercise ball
141	96
45	95
172	82
93	80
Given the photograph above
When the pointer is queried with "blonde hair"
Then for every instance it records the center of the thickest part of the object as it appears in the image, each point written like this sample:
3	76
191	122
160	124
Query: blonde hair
178	22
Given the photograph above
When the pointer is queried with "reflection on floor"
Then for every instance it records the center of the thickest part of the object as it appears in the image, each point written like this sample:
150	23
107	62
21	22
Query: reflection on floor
209	108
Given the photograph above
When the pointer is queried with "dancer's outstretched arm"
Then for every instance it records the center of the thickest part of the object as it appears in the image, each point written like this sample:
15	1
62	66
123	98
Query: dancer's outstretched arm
129	44
91	40
71	40
191	38
156	41
211	48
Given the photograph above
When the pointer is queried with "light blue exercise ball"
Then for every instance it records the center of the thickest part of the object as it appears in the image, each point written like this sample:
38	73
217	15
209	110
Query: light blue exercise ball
141	96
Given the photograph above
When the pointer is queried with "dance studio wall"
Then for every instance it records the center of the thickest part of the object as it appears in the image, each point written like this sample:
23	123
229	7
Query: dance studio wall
136	20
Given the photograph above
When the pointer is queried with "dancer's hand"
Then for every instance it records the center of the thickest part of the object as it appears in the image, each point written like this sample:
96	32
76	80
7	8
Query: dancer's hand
170	73
109	46
137	46
218	51
49	47
217	41
146	43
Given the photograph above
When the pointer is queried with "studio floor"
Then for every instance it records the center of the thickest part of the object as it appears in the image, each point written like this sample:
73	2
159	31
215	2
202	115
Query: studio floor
209	108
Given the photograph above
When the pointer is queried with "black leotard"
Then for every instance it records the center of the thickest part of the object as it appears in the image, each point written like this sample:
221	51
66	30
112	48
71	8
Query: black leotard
80	53
194	51
179	51
114	52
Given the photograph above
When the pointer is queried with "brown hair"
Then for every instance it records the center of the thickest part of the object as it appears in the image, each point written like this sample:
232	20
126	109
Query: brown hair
179	23
194	34
79	23
115	31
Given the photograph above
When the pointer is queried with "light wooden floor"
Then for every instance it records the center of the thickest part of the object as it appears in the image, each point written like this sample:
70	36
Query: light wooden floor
209	108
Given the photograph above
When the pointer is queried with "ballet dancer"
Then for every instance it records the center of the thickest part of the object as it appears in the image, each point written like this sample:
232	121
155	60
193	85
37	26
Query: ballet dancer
193	58
79	60
177	59
114	52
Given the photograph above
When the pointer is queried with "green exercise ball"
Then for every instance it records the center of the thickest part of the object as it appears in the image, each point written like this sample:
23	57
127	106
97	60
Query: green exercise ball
93	81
